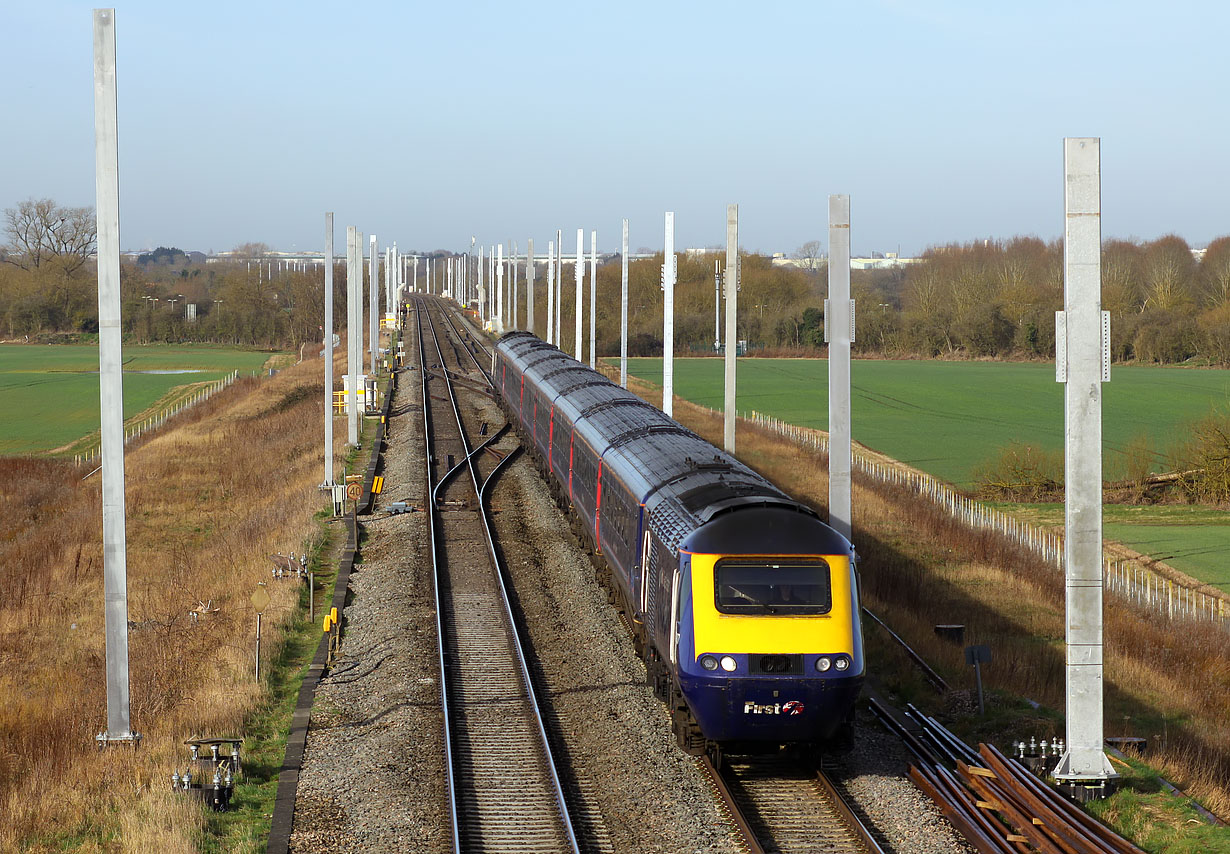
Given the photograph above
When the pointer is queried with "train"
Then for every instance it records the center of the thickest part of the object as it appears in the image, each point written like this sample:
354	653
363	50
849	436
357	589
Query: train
743	603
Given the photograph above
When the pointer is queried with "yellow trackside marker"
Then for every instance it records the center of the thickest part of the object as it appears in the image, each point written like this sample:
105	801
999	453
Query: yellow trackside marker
377	484
328	622
333	615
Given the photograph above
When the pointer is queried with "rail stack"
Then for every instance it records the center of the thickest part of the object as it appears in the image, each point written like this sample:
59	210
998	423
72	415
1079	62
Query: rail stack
999	805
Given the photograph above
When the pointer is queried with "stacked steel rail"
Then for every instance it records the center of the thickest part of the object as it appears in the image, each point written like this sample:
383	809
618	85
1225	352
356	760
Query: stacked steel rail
504	791
781	804
998	804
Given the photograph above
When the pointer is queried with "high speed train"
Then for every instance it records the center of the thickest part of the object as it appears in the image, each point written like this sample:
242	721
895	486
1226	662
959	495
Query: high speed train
744	604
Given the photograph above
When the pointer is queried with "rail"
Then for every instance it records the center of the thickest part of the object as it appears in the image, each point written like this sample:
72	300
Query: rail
999	805
467	627
784	805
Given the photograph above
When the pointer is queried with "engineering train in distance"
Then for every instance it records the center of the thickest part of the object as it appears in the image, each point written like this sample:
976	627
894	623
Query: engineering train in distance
743	603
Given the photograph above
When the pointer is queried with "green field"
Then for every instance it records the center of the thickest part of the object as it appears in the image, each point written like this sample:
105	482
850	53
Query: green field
50	393
947	418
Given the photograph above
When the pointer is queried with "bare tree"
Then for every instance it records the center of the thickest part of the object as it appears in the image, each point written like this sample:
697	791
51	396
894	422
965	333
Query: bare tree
40	231
809	255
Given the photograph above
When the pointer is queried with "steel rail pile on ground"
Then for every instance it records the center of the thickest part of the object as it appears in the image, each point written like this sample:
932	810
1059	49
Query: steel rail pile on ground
504	791
1000	806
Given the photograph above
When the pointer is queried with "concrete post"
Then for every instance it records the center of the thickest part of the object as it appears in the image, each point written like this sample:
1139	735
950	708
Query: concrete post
1082	363
515	295
110	380
580	269
559	287
623	312
354	330
499	289
373	322
482	288
593	299
551	292
838	328
732	333
328	345
416	274
529	285
669	271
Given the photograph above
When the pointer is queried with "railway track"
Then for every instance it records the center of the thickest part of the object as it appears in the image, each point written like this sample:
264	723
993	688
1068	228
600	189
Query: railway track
780	804
505	793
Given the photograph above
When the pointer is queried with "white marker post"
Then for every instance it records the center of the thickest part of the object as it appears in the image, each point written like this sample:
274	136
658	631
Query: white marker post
328	344
111	382
839	332
670	270
551	292
623	313
1082	363
593	299
529	285
580	268
732	315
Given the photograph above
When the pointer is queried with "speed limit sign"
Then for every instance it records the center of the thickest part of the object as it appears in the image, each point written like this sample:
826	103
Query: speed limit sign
354	491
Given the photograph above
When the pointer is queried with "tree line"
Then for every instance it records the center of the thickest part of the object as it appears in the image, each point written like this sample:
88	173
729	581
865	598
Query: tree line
985	299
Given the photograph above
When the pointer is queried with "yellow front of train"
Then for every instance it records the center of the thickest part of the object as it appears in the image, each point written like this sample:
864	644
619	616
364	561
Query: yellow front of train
768	631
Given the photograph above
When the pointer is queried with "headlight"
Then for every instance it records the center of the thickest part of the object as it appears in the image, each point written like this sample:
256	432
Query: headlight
708	662
842	664
728	663
823	663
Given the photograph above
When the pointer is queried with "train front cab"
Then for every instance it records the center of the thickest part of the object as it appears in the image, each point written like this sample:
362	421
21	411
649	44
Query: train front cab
768	639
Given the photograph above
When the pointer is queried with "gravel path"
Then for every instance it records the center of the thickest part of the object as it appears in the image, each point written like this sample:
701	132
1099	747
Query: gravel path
373	778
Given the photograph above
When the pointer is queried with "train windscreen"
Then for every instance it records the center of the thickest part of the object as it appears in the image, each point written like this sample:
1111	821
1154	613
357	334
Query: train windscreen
764	587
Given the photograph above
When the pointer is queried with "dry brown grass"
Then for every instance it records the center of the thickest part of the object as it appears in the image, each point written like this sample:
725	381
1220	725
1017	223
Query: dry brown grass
920	568
208	498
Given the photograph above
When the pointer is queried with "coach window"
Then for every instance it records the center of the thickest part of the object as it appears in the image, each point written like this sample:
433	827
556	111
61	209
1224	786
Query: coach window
763	587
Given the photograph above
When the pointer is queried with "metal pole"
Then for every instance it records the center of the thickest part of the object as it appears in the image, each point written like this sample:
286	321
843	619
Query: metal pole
416	274
732	333
373	328
593	298
529	285
623	313
110	379
258	647
580	271
1082	363
669	271
354	334
551	292
328	345
838	329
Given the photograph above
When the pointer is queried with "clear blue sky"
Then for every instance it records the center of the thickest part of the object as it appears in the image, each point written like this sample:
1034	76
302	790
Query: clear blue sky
431	122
